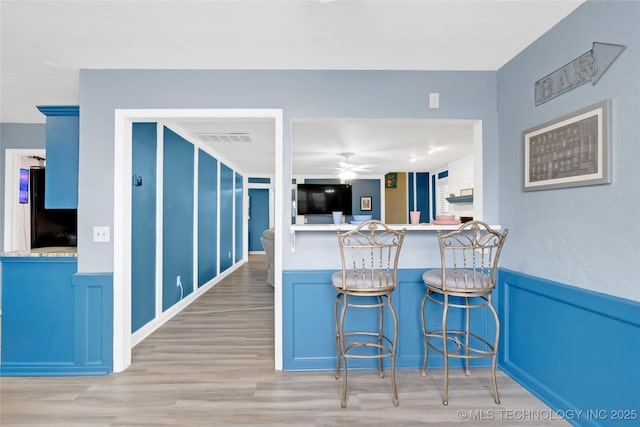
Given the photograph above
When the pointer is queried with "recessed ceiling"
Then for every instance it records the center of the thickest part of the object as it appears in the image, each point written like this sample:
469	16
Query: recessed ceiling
44	44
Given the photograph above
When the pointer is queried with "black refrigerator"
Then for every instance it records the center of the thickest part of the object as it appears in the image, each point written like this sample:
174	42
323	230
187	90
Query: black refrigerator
49	227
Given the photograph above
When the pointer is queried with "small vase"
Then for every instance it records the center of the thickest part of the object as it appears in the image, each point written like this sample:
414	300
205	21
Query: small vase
337	217
414	217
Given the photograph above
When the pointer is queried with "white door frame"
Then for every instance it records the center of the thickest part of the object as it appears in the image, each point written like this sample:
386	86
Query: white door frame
122	217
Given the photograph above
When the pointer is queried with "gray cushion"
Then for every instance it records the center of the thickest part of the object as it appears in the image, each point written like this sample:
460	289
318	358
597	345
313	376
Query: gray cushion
459	279
268	234
362	280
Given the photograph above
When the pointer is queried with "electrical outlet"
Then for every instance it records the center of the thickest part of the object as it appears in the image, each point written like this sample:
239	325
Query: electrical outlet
101	234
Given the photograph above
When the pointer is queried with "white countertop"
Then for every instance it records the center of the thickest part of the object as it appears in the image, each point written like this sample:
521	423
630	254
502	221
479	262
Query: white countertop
408	227
51	251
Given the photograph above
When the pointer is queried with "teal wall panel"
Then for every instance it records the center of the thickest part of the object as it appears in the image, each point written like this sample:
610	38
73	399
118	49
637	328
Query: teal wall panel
575	349
226	217
178	198
207	217
143	224
258	216
240	218
308	330
93	322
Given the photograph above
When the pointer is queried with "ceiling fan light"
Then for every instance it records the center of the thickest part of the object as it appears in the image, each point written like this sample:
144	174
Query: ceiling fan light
347	175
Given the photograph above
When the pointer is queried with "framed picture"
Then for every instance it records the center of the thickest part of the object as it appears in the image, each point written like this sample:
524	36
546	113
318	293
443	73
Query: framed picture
574	150
466	192
391	180
365	203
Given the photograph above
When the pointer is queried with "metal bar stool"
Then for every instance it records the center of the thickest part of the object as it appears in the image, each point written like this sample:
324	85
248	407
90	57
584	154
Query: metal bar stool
469	263
369	256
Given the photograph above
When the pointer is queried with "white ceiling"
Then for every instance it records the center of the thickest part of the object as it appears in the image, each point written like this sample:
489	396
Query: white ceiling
43	44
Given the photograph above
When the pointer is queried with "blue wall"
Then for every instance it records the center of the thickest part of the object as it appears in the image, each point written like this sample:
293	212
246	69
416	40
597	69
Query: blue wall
207	217
226	217
143	224
239	217
308	334
569	234
177	229
423	200
581	355
569	304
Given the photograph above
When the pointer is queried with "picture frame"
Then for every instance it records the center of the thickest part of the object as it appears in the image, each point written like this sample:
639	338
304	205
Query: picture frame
391	180
466	192
571	151
365	203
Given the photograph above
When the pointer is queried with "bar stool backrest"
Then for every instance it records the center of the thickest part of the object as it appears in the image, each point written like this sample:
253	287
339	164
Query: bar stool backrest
369	256
469	257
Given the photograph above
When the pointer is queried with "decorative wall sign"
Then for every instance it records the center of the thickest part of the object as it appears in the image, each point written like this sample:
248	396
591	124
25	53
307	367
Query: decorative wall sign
571	151
391	180
589	66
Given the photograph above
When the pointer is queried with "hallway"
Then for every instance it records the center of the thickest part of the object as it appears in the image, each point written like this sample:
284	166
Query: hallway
212	364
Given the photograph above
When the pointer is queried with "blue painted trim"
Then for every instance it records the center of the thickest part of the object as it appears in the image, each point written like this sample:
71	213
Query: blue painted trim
443	174
59	110
93	323
308	330
573	348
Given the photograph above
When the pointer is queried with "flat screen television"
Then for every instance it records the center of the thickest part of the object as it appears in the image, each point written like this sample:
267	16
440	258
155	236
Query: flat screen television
318	199
24	186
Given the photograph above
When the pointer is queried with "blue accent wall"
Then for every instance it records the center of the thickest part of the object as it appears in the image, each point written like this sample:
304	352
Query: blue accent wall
258	216
308	329
366	187
421	192
177	248
240	218
226	217
143	224
207	217
575	349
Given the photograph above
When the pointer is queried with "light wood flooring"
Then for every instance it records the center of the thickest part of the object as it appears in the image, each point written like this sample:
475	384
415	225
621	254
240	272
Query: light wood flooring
212	365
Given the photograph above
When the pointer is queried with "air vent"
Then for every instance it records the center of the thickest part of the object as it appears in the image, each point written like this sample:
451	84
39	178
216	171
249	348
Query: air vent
225	137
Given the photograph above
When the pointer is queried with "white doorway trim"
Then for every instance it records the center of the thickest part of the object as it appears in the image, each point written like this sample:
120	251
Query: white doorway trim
122	217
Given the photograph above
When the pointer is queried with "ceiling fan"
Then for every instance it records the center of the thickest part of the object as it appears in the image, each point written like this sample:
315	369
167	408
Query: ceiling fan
346	170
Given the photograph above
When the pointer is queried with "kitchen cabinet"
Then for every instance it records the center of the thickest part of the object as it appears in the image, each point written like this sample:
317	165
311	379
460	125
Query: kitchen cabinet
62	145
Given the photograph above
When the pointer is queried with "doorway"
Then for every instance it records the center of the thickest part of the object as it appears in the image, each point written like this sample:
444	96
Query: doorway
258	217
122	337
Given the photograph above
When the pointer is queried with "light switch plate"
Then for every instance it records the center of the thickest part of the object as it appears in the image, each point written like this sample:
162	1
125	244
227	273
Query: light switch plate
101	234
434	100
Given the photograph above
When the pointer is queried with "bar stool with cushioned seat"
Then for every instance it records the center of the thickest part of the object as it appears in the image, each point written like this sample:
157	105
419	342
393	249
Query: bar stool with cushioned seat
369	256
469	263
